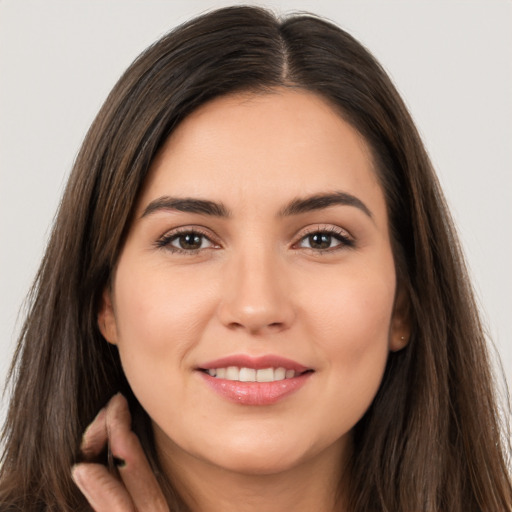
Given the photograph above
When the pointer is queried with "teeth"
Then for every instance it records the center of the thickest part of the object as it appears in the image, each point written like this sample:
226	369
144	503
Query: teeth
232	373
265	375
247	375
279	374
251	375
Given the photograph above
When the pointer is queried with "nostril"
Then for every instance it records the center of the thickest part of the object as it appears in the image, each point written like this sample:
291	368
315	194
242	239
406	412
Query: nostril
235	325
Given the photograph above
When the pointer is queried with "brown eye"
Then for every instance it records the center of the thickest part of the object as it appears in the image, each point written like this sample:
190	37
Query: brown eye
185	242
320	241
190	241
323	241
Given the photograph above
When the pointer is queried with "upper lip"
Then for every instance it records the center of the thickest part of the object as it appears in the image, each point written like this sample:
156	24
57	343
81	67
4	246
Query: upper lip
258	363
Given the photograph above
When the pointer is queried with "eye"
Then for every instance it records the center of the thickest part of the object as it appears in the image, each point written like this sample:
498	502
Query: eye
324	240
189	241
319	241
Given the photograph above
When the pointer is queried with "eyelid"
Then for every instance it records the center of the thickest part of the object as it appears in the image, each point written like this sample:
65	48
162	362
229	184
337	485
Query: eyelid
163	242
347	240
341	234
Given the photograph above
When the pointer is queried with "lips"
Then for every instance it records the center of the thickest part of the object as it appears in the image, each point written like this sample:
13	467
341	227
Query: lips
250	380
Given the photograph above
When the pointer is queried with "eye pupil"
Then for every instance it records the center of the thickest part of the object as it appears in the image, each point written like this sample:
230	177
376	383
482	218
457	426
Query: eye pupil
320	241
190	241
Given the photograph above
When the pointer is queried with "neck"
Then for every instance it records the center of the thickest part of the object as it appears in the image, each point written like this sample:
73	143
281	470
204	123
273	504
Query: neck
314	484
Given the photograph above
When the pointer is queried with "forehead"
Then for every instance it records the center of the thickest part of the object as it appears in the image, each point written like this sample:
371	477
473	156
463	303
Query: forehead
271	146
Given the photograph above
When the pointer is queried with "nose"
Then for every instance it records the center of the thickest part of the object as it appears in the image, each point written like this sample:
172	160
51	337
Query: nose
256	297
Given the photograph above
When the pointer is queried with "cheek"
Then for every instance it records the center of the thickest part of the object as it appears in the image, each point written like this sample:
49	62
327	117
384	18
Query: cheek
159	320
156	305
352	308
351	326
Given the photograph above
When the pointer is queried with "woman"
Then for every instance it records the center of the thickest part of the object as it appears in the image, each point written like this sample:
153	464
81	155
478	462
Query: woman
254	250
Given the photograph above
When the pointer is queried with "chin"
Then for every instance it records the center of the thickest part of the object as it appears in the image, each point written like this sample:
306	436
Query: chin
261	455
258	463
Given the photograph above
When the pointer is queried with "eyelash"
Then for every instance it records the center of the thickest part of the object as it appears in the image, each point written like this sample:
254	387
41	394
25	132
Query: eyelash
346	241
331	231
165	241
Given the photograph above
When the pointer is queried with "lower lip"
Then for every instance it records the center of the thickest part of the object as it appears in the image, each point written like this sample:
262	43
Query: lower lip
255	393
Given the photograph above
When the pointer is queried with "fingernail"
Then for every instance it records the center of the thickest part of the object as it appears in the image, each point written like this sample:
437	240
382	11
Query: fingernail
120	463
100	412
120	397
83	443
76	474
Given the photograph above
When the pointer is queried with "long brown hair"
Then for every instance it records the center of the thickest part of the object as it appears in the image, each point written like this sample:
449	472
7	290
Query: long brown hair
431	440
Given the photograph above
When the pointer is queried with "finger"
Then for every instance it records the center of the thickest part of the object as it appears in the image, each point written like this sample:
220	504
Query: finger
95	436
103	491
133	465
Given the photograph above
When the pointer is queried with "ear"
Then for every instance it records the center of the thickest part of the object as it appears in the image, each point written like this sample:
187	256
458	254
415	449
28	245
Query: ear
400	329
106	317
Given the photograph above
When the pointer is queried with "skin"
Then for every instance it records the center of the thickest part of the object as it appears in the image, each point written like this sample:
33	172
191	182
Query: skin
257	285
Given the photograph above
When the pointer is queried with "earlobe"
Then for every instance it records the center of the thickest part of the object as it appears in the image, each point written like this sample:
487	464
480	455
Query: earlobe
398	343
400	331
106	317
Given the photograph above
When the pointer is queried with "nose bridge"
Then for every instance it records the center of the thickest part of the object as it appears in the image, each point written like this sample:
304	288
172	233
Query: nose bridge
255	296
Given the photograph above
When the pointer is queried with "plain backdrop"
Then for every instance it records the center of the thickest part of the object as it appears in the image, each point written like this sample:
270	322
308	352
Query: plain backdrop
451	60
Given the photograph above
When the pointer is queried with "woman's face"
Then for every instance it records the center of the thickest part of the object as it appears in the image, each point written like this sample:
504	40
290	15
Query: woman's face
260	251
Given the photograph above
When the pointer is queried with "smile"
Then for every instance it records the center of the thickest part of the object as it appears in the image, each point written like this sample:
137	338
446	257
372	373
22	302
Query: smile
248	380
245	374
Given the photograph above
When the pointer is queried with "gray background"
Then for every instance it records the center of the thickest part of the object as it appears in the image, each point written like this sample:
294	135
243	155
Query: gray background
451	60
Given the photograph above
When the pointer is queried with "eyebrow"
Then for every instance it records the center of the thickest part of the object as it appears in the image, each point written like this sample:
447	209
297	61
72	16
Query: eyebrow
295	207
321	201
188	205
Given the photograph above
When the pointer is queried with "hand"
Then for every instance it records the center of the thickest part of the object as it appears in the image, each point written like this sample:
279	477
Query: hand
136	487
